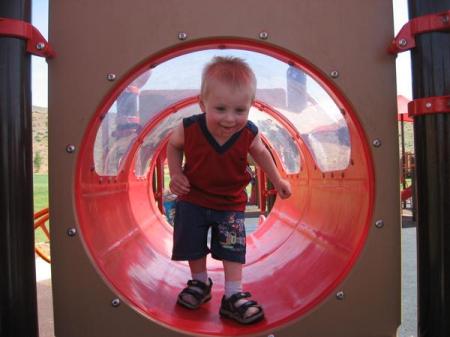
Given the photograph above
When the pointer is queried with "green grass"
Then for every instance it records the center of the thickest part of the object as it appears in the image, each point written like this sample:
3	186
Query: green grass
40	185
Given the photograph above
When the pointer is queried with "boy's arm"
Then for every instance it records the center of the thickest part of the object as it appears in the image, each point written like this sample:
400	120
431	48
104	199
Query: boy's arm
179	184
264	160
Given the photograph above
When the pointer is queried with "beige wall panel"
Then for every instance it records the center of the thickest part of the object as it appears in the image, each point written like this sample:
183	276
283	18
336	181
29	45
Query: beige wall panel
94	38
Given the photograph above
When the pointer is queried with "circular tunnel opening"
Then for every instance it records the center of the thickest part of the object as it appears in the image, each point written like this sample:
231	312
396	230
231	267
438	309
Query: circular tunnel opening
277	134
307	244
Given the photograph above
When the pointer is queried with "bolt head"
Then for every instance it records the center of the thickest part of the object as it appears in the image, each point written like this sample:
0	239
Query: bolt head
111	77
115	302
340	295
334	74
40	46
70	148
376	142
72	232
182	36
402	42
428	105
379	224
263	35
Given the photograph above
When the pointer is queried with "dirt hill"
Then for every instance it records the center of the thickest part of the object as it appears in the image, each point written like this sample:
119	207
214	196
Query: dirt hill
40	140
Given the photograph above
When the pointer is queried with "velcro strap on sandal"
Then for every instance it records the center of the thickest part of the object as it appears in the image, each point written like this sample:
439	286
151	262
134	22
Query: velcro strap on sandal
196	294
236	297
243	308
200	284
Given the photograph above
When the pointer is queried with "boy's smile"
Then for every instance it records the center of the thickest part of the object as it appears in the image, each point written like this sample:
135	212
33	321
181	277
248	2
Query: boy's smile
226	110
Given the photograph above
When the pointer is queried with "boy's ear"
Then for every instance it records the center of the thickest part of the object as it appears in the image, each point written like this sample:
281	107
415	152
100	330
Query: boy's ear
202	105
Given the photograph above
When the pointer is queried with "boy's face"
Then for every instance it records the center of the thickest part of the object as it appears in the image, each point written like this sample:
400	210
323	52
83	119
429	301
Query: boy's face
226	109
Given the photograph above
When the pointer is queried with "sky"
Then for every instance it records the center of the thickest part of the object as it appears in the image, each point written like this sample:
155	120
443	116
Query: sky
39	66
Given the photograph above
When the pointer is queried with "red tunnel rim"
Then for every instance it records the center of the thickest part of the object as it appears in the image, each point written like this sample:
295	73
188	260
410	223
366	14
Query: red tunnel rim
251	45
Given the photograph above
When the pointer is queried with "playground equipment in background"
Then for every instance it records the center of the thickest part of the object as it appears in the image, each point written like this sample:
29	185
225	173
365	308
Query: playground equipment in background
407	177
41	219
407	159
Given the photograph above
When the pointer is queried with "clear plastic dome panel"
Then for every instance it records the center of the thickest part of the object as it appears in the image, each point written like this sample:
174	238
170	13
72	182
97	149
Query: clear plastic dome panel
158	134
279	138
287	90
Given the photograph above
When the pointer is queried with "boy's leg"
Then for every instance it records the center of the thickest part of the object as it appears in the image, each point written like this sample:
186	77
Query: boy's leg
228	244
189	237
198	290
198	267
233	277
233	285
198	270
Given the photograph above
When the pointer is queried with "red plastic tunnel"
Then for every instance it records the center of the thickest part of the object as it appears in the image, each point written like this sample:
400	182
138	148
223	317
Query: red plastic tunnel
295	259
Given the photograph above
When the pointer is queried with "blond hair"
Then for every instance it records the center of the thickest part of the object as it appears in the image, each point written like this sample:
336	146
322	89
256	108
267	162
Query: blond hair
229	70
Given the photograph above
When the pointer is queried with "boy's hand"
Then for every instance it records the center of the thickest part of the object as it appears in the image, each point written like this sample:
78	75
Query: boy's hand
283	188
179	184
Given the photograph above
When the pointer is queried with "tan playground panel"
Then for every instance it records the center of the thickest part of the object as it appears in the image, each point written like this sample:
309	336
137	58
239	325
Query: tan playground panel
95	38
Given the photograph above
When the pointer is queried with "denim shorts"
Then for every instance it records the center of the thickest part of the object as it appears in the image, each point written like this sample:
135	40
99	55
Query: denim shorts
190	233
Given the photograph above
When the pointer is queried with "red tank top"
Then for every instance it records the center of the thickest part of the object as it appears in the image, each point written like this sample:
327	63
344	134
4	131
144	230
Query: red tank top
218	174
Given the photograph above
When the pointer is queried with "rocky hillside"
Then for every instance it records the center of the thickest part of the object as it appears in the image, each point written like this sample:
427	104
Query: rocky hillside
40	140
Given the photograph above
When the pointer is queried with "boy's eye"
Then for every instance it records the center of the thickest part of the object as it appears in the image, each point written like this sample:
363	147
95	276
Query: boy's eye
220	108
240	111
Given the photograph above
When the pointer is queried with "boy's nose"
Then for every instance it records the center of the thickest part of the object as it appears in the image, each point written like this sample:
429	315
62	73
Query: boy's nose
229	117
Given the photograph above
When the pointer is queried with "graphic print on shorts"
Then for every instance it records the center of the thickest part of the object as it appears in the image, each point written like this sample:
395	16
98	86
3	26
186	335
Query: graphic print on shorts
232	233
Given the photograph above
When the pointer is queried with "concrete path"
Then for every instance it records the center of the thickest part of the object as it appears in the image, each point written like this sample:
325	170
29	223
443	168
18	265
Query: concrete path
44	294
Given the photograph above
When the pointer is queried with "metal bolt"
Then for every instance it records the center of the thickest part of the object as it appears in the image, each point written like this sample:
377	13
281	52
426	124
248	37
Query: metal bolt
402	42
72	232
263	35
182	36
445	19
334	74
40	46
271	335
428	105
340	295
111	77
376	142
379	224
115	302
70	148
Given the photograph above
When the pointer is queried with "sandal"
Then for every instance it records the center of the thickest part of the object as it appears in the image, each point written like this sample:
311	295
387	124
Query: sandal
201	293
229	310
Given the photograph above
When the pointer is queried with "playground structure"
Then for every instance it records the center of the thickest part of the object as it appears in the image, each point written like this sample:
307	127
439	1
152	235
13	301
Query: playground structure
319	260
318	251
41	219
261	196
407	158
